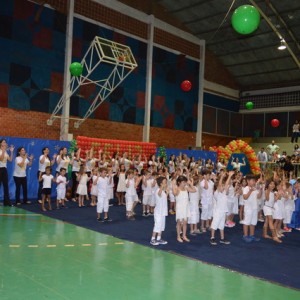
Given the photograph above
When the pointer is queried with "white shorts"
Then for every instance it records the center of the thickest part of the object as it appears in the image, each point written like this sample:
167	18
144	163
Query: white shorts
268	211
147	199
102	205
250	217
61	194
206	213
218	221
159	223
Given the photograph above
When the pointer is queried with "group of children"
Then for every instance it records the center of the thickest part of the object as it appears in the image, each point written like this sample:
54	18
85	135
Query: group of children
184	193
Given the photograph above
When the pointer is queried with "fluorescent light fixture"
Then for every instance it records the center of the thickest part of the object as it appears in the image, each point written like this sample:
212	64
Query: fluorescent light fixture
282	45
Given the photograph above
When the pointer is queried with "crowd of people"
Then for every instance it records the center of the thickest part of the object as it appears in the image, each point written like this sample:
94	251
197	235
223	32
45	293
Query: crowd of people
203	196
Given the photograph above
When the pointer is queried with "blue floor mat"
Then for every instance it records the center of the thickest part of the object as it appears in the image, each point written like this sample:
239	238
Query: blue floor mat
266	259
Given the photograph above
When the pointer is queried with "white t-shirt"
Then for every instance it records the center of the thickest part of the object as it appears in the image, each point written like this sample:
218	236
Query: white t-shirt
3	163
64	163
251	202
148	188
63	181
221	202
42	166
20	171
47	181
207	194
102	187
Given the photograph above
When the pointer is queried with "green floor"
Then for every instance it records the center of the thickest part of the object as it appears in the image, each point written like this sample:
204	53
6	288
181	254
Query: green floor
41	258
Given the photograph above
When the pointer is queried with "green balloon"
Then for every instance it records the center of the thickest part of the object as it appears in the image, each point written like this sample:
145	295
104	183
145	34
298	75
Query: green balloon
249	105
245	19
76	68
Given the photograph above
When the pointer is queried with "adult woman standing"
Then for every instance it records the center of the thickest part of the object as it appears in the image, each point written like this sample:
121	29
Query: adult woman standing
21	163
62	159
4	157
44	161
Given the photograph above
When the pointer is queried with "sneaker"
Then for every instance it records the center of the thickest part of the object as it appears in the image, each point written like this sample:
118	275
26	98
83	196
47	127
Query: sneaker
197	231
229	225
193	233
254	238
286	229
144	214
247	239
225	242
108	219
241	221
100	220
154	242
261	220
213	242
162	242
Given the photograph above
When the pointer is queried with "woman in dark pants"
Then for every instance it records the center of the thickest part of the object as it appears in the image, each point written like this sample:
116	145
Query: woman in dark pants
21	163
4	157
44	161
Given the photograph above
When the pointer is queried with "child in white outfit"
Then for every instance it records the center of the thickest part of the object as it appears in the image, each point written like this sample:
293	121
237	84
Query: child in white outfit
220	208
160	212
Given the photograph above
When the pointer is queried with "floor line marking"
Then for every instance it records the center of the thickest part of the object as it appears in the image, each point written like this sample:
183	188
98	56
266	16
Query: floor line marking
69	245
14	246
33	246
102	244
119	243
51	246
21	215
86	245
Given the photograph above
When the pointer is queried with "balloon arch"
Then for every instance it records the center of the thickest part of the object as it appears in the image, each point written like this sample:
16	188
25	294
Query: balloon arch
238	146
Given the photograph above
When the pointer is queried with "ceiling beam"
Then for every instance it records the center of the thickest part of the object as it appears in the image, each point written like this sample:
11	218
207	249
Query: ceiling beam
277	33
199	3
266	72
256	61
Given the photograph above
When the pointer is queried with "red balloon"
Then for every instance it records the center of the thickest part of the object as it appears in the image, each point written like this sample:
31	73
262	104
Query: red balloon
275	123
186	85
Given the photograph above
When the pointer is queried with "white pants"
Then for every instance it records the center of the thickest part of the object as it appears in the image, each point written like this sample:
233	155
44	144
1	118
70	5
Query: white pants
61	194
102	205
218	221
159	223
206	213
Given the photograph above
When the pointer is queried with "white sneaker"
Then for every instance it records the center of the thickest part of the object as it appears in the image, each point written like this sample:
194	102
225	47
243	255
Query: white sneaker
154	242
242	222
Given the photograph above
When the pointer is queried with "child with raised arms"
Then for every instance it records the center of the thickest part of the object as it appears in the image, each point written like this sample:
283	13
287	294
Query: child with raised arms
160	212
82	190
94	190
220	207
180	191
268	209
251	195
194	218
102	187
207	187
131	195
